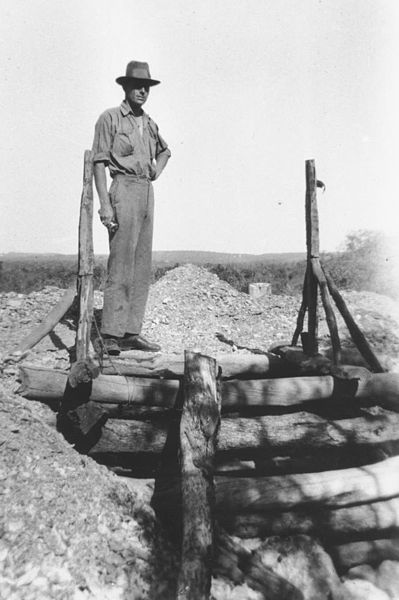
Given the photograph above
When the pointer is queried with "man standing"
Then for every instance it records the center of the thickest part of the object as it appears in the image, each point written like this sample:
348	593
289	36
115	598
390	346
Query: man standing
127	141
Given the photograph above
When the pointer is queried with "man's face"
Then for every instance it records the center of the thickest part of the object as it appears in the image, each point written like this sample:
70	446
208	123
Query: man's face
137	92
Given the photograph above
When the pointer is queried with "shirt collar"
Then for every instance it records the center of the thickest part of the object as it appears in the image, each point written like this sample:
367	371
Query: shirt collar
126	110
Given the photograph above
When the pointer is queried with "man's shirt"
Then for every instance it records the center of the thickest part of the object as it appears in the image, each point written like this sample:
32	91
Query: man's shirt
119	143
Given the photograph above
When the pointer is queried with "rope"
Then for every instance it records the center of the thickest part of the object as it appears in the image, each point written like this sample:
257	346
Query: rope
129	382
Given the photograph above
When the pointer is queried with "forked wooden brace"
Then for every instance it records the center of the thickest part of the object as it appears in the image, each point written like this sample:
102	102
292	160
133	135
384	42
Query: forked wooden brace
317	278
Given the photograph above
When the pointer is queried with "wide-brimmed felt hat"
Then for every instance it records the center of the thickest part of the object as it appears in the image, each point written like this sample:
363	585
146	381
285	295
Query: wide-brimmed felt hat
137	71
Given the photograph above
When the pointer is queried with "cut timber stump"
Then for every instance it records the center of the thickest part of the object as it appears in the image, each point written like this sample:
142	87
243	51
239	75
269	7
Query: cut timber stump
198	434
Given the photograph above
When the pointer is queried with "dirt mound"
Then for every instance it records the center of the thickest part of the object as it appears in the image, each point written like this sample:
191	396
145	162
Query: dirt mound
69	527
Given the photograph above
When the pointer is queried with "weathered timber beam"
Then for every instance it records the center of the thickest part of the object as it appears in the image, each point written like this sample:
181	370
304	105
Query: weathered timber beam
199	425
340	524
341	487
371	552
50	321
290	434
49	384
171	366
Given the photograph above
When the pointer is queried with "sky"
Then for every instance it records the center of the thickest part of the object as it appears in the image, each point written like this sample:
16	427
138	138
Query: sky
250	90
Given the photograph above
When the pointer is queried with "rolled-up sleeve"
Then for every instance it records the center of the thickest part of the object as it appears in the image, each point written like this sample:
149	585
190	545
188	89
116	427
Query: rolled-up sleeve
102	142
162	146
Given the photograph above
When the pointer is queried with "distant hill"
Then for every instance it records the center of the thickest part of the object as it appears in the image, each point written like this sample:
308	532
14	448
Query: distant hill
171	257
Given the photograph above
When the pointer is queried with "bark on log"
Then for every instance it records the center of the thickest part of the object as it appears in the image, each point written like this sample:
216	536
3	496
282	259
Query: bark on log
49	384
342	487
355	332
171	366
48	324
295	434
328	309
198	436
336	525
371	552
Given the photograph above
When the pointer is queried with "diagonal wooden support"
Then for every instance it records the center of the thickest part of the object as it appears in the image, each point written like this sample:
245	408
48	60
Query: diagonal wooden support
354	330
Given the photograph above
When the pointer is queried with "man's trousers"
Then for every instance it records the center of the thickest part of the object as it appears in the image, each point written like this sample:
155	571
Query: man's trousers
129	263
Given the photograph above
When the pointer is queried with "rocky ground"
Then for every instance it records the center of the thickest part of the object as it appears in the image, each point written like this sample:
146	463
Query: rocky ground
71	529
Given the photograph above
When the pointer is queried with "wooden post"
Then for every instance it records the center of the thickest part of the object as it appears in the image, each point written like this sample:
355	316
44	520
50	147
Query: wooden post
312	245
83	371
79	417
198	433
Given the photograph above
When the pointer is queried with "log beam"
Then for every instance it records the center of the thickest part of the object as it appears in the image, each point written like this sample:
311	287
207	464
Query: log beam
49	384
341	487
364	521
295	434
171	366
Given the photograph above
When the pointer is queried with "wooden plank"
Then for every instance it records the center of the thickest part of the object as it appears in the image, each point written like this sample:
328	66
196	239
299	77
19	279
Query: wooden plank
295	434
198	435
347	523
49	384
50	321
357	335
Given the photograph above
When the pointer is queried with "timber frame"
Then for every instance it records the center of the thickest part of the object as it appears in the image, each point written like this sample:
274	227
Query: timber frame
278	443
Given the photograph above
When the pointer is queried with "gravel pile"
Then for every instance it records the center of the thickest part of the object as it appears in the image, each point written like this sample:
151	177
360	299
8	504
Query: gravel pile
189	306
